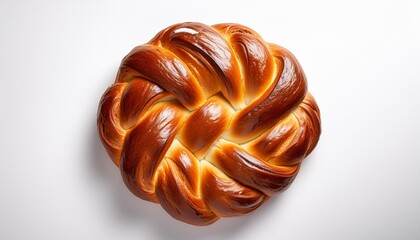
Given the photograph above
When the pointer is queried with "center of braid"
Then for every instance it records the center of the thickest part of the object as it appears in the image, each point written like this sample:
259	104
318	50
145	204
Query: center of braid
224	72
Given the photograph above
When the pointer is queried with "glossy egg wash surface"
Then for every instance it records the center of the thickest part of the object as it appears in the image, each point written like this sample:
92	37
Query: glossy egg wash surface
208	121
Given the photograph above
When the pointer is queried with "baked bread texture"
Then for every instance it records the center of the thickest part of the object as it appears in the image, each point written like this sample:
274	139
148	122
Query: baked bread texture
208	121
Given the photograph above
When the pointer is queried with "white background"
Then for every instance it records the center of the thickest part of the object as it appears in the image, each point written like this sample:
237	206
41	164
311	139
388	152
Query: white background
362	63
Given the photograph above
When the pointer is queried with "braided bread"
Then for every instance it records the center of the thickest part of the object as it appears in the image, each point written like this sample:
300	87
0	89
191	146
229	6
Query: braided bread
208	121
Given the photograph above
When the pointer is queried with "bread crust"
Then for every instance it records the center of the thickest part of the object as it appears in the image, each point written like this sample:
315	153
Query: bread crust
208	121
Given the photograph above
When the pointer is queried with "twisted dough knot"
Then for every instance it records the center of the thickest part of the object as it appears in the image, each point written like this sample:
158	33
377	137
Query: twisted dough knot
208	121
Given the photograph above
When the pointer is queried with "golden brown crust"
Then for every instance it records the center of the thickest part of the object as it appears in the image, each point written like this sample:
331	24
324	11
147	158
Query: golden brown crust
208	121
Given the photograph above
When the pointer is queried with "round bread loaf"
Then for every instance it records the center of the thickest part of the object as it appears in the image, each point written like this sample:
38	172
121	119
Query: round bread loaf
208	121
